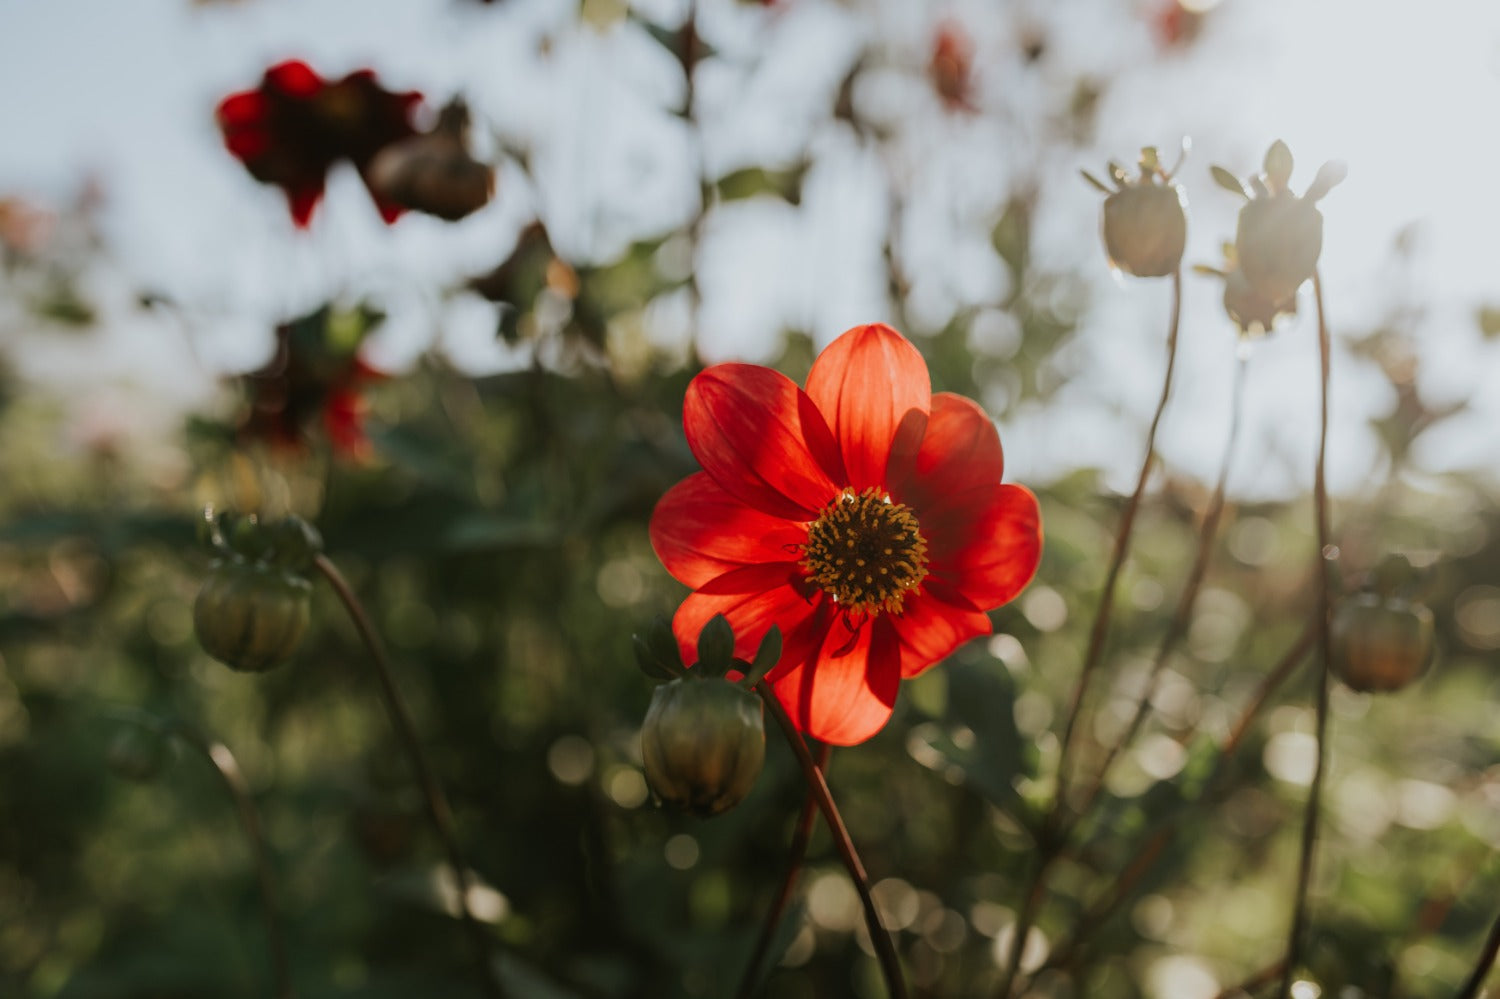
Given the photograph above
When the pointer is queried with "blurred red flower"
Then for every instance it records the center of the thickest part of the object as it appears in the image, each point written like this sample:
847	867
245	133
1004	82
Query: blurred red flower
864	516
316	376
951	68
292	128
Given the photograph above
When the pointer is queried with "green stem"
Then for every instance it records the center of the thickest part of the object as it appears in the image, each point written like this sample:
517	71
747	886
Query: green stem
1298	931
1178	627
1471	988
438	811
801	836
233	779
885	948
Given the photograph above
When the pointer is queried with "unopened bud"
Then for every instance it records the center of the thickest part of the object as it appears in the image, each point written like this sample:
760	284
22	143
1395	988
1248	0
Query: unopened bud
703	742
1381	643
251	615
1145	229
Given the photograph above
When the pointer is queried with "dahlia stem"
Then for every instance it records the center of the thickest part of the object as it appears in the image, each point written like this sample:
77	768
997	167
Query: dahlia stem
885	949
438	811
233	779
1052	834
1100	629
1177	628
1471	988
801	836
1324	553
1145	858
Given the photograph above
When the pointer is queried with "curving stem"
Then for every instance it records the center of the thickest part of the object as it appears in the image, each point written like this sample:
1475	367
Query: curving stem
885	949
1298	931
438	811
801	836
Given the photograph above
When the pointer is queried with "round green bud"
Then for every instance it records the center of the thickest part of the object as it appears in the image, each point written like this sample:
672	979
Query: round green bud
704	742
1145	228
1381	643
251	616
1277	244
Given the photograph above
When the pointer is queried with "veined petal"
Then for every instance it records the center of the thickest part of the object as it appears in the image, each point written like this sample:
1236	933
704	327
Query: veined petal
866	384
959	460
931	628
699	532
762	440
844	692
1001	549
750	612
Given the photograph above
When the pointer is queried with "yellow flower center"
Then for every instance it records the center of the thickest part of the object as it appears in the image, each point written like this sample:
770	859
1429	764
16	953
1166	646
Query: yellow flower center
866	552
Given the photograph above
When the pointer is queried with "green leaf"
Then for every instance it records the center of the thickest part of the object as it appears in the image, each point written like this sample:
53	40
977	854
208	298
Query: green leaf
1118	173
766	657
753	181
662	644
1489	321
716	646
1229	181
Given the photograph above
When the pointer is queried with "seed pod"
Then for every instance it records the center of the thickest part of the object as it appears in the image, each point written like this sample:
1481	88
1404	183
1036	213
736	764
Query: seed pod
704	742
251	616
434	173
1381	643
1145	228
1277	243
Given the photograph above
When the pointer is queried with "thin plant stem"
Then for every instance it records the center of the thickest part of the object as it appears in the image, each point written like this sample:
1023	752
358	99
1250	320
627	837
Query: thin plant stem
233	779
801	836
1051	836
885	948
1177	628
1100	629
1315	792
1481	971
438	811
1146	857
1260	979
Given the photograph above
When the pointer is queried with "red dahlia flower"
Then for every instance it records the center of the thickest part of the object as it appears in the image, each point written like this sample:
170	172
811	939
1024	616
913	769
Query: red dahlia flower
292	128
864	516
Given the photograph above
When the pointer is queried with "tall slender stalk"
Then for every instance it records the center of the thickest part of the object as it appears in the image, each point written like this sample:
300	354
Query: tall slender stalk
885	948
1177	628
1052	835
1298	929
1471	988
801	836
1100	630
233	778
438	811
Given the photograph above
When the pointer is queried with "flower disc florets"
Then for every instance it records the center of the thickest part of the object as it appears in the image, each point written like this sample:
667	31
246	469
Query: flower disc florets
866	552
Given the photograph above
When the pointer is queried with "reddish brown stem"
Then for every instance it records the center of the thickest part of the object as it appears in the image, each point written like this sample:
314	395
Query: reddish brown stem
801	836
438	812
885	948
1298	930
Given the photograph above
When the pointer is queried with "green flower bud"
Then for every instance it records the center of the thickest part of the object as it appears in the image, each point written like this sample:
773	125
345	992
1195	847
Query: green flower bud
1145	228
1277	244
704	742
1381	643
251	616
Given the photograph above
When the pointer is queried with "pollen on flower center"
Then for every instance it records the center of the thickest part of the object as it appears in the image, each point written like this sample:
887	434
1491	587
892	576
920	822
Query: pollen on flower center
866	552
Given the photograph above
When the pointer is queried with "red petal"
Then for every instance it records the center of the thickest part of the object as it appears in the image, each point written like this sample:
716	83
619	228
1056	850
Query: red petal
959	455
699	532
845	699
239	110
294	79
1002	549
302	201
751	614
866	383
931	628
762	440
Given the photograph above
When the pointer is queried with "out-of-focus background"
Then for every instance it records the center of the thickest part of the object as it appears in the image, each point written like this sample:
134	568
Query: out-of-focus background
480	414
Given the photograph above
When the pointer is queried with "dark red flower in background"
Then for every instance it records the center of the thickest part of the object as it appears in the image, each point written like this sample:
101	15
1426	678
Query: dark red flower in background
863	516
292	128
951	68
315	380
